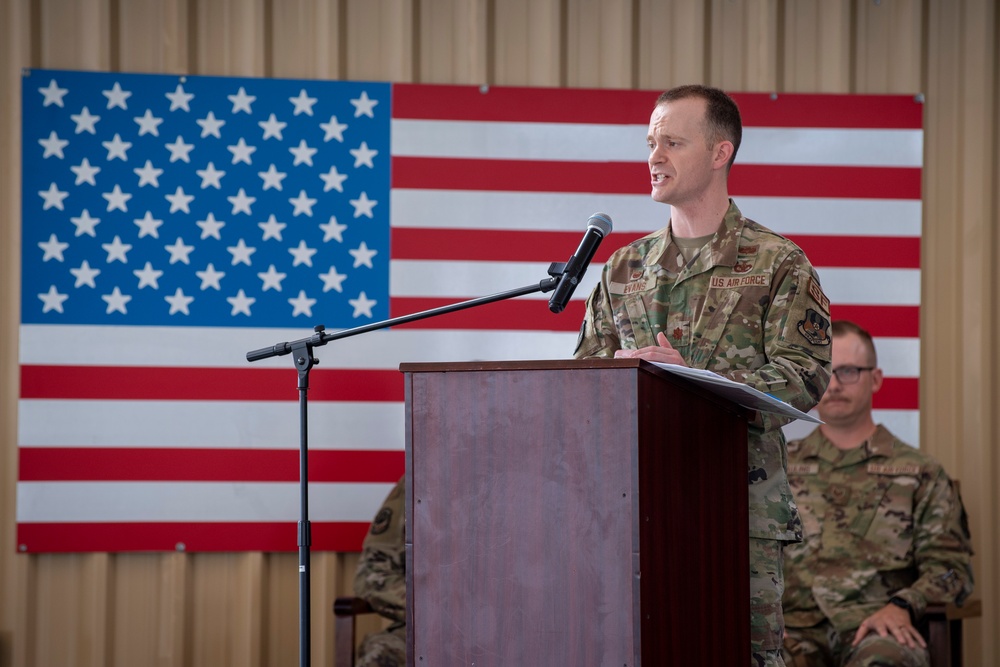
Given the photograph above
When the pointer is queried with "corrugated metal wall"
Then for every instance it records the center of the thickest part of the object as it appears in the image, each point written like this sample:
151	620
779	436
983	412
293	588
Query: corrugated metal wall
241	609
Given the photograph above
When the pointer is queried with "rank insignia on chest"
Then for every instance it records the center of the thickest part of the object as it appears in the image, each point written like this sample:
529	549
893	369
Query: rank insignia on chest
839	494
742	267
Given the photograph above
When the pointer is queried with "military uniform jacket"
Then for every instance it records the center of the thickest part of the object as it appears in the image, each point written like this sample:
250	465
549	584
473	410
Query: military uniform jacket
880	520
381	574
748	306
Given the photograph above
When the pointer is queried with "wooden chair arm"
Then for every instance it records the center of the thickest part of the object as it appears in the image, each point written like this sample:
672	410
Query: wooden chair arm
345	610
944	631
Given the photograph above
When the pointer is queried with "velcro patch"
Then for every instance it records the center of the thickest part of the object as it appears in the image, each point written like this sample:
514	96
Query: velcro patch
731	282
632	286
816	292
815	328
803	468
886	469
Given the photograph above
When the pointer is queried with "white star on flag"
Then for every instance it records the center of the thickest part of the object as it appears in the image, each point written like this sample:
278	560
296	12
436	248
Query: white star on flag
210	277
363	156
241	252
179	251
302	254
52	300
363	206
179	201
179	99
148	123
85	224
271	278
53	94
117	250
210	126
363	106
85	275
333	129
179	302
303	154
272	228
272	178
53	197
362	305
211	177
333	230
241	302
117	148
116	301
53	249
210	227
302	305
53	145
85	121
241	151
303	103
332	280
272	128
116	97
241	202
148	175
363	255
303	204
117	199
333	180
241	102
85	172
148	225
179	150
148	276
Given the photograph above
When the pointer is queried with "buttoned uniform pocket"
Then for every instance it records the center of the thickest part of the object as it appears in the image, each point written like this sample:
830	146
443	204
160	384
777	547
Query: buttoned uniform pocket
885	526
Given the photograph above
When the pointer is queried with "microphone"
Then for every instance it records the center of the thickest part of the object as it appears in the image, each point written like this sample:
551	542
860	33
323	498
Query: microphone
597	227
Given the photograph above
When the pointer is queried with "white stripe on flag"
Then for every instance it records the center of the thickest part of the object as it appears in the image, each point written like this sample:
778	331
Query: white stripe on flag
194	501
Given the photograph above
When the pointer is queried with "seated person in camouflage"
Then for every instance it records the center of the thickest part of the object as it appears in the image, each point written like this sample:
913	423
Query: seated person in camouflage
885	532
381	581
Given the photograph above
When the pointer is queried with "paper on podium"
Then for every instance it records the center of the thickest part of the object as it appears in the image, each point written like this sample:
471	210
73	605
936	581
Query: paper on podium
741	394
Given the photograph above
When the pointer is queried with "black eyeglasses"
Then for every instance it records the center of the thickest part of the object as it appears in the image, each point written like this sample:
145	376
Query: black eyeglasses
850	374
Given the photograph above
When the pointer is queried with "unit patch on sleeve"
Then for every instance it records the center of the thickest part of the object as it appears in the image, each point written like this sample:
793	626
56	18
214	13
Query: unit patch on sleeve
815	328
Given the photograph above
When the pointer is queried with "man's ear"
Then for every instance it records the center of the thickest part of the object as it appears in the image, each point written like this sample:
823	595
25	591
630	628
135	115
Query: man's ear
876	379
723	151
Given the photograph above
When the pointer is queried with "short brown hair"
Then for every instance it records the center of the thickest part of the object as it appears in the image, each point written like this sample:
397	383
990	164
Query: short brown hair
845	327
722	116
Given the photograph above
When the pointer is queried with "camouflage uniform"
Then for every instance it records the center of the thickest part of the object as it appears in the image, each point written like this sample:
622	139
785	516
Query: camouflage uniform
748	306
880	520
381	580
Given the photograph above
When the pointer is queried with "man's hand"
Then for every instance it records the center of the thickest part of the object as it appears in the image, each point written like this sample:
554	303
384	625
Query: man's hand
893	620
662	352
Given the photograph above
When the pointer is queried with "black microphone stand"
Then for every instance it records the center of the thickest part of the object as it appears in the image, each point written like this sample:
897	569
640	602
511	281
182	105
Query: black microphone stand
302	357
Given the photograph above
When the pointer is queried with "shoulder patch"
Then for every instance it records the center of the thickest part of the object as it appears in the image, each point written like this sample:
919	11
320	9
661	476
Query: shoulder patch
816	292
886	469
381	522
815	328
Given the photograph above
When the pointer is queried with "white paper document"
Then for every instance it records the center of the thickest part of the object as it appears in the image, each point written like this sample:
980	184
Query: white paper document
736	392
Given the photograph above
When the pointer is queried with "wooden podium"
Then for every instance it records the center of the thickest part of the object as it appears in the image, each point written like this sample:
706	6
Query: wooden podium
573	514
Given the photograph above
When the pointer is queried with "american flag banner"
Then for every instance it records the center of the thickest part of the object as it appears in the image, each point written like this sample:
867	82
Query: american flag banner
171	224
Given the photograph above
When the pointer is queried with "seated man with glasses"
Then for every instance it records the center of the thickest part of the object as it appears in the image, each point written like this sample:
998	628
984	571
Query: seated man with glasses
884	529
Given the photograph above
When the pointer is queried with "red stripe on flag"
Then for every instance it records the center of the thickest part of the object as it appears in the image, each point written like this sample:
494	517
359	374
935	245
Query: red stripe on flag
538	246
512	314
881	321
882	252
770	180
898	394
206	384
633	107
205	465
633	178
185	536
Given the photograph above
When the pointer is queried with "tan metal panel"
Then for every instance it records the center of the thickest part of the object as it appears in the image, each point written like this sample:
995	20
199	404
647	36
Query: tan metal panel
379	43
152	36
454	42
816	47
743	45
74	34
600	46
306	39
672	44
228	37
16	572
529	37
888	47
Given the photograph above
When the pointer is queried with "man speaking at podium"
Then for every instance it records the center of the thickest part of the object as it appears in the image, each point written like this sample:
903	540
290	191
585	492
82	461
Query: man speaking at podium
716	291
